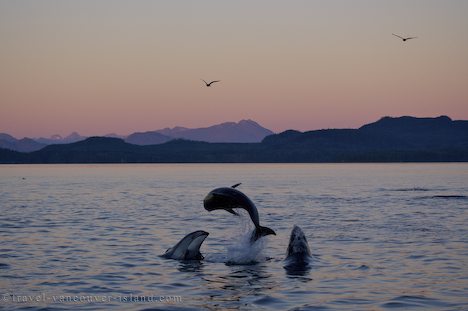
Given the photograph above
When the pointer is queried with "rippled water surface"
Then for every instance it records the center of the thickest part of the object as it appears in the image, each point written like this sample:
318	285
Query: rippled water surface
383	236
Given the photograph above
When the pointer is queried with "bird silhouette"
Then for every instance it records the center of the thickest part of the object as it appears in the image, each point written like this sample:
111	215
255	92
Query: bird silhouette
403	38
208	84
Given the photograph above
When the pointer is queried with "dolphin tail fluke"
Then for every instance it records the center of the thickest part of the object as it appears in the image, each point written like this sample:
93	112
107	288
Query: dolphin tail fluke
261	231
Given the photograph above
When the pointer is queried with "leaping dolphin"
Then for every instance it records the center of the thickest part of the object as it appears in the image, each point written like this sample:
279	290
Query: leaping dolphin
188	248
298	254
228	198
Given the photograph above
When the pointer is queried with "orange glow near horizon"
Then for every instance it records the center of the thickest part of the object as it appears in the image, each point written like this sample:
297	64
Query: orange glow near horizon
121	67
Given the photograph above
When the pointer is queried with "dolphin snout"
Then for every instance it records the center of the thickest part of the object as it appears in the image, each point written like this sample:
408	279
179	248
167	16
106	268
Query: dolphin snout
202	233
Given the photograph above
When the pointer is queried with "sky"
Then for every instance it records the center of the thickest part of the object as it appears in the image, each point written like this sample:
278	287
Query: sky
111	66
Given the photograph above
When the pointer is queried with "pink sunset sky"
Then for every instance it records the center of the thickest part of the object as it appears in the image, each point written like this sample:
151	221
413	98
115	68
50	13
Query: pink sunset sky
99	67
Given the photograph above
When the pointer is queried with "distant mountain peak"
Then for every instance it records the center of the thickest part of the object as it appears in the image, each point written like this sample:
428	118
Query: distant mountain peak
244	131
172	131
247	121
7	137
407	121
114	135
23	145
56	137
73	137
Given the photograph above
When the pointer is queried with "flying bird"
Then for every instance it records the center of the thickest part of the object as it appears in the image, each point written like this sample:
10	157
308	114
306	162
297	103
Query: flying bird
208	84
403	38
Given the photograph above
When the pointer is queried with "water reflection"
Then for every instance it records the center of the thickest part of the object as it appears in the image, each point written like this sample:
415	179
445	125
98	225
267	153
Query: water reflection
242	281
190	266
292	270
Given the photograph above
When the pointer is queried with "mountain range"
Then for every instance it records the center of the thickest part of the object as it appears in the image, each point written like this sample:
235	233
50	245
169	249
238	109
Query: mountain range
402	139
244	131
57	139
23	145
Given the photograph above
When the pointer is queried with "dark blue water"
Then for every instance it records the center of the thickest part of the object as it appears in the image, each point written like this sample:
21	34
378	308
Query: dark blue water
383	237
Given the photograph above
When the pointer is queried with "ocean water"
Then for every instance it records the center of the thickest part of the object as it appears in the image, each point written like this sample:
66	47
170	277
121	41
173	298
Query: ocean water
88	237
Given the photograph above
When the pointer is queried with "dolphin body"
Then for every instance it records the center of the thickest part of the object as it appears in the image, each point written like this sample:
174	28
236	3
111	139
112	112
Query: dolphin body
227	198
188	248
298	254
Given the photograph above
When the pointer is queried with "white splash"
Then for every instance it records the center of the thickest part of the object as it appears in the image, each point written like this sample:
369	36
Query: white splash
241	251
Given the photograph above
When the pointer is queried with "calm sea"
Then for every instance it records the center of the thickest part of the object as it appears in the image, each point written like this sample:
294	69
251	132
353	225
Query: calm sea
383	236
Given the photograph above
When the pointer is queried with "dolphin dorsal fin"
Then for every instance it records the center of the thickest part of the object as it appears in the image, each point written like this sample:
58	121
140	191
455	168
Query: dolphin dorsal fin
236	185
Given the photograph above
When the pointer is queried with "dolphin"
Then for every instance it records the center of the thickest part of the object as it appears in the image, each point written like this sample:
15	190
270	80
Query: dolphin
188	248
298	254
227	198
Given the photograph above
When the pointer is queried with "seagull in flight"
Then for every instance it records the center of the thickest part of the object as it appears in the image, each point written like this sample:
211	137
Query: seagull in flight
403	38
208	84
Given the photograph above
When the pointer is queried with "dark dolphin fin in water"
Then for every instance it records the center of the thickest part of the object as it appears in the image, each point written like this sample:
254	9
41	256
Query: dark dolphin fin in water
236	185
188	248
